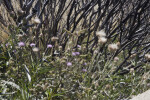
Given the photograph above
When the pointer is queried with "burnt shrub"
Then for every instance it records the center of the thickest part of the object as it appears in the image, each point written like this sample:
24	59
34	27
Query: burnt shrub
124	21
50	36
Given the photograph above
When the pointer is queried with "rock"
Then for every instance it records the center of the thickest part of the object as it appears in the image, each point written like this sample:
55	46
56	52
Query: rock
143	96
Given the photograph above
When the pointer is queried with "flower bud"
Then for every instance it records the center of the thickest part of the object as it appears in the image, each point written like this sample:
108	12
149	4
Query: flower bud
101	33
132	56
118	44
113	47
131	70
147	56
60	48
102	40
53	39
108	86
35	49
36	20
20	12
116	59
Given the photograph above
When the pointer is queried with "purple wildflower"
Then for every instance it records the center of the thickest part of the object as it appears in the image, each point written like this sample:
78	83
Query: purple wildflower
49	46
6	44
78	46
14	51
84	70
73	54
77	53
21	44
69	64
32	44
85	64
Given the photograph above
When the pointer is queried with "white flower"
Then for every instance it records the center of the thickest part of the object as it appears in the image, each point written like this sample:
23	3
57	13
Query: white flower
116	59
101	33
35	49
113	47
37	20
147	56
118	44
60	48
131	70
133	56
102	40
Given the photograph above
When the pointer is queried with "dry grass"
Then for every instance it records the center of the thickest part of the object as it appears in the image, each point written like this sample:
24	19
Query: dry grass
3	33
5	21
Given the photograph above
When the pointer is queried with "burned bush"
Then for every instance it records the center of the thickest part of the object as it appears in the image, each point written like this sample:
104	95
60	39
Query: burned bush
126	22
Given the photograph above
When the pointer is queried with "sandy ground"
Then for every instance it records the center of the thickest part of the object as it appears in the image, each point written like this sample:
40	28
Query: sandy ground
143	96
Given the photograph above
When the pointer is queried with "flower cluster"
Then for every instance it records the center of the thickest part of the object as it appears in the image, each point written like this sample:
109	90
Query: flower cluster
113	47
147	56
101	37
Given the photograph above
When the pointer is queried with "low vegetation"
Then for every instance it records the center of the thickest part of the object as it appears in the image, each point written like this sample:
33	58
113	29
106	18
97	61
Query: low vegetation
74	49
